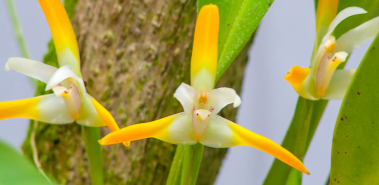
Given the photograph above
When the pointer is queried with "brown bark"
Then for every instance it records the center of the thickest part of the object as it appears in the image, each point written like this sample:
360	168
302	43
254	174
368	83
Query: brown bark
134	54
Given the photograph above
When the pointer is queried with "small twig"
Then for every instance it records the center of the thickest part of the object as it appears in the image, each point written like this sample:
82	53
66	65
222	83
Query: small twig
35	151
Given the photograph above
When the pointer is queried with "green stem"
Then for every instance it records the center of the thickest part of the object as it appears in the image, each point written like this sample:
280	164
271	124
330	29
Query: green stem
19	34
176	167
91	135
17	28
193	154
186	165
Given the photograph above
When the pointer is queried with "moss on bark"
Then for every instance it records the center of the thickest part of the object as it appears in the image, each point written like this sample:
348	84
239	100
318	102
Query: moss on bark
134	54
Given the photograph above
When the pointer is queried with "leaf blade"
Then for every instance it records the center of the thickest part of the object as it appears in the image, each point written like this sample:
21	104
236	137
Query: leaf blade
16	169
355	147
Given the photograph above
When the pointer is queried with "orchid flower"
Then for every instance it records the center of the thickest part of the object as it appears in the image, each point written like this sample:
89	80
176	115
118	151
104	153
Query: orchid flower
70	102
323	80
199	123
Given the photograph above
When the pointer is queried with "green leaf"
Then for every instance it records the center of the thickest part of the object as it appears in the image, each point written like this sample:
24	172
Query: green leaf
308	113
16	169
303	125
238	21
369	5
355	147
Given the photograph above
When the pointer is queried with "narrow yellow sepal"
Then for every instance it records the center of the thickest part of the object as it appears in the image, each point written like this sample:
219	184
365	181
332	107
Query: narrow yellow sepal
25	108
205	48
246	137
106	117
63	34
155	129
326	12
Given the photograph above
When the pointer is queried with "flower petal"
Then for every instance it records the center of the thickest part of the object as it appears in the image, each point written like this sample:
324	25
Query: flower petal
175	129
63	34
205	46
326	70
339	84
224	133
221	97
88	114
354	38
106	117
31	68
46	108
71	98
218	133
62	74
326	11
185	95
345	13
297	77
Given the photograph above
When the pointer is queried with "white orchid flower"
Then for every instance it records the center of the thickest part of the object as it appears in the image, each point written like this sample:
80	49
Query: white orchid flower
322	80
199	123
70	102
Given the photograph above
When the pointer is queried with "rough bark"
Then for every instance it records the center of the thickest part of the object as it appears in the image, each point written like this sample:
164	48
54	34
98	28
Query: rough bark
134	54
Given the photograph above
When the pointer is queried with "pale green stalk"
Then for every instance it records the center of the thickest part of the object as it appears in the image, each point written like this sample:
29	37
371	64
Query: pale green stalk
193	154
91	135
186	165
176	167
19	34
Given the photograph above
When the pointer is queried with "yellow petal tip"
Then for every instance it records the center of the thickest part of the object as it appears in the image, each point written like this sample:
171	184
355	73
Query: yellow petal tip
297	75
205	47
126	143
101	142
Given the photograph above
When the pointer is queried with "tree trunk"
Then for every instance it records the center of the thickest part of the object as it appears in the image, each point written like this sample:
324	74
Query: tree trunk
134	54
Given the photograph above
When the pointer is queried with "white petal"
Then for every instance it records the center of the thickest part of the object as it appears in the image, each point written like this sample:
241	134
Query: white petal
185	95
59	90
221	97
88	114
32	68
339	84
223	133
200	119
345	13
46	108
218	133
175	129
326	71
356	37
52	109
62	74
71	98
180	130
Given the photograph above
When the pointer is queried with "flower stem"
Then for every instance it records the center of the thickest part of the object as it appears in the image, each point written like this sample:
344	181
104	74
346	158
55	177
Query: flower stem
186	165
19	34
193	154
91	135
176	167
